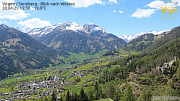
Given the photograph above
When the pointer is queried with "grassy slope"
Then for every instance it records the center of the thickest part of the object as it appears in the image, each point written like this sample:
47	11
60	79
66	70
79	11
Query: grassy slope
82	56
10	83
36	76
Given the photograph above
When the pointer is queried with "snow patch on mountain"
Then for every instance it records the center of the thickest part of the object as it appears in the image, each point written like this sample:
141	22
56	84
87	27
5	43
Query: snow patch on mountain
42	31
90	27
73	26
87	28
130	37
127	38
3	25
158	32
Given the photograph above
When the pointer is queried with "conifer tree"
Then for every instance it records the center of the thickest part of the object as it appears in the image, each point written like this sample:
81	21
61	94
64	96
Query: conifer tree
45	98
68	96
128	95
178	72
170	91
53	97
83	96
145	96
90	95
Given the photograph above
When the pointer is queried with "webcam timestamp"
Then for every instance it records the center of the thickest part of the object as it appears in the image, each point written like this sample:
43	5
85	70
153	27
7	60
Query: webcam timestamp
24	8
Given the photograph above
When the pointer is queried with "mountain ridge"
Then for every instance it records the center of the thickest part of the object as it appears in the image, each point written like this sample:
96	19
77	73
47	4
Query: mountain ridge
87	28
19	51
130	37
70	36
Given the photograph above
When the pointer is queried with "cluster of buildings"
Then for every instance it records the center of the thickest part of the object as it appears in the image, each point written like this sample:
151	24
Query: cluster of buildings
33	90
37	89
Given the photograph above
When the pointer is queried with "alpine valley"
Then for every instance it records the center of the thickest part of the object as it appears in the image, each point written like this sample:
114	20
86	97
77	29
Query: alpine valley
53	45
69	62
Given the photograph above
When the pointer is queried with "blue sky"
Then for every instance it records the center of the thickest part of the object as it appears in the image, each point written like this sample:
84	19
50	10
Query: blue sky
120	17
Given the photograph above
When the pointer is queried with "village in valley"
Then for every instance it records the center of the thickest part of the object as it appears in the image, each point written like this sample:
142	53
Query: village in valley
46	85
57	83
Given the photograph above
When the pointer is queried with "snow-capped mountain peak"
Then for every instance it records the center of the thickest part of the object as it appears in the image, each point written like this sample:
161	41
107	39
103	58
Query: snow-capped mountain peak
89	23
158	32
58	24
42	31
130	37
72	26
3	25
90	27
87	28
62	26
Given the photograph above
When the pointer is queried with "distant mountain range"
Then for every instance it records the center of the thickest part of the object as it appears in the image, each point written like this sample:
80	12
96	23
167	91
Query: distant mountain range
72	37
145	40
130	37
87	28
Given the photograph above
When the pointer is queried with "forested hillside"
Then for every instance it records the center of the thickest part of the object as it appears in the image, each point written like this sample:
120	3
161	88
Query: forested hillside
172	35
136	77
19	51
144	41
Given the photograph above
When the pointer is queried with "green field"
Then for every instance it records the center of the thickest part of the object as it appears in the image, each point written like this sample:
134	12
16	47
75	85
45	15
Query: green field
82	56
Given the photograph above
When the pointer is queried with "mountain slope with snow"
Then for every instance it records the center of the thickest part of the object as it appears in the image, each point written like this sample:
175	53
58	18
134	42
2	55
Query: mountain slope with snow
90	27
87	28
145	40
72	37
130	37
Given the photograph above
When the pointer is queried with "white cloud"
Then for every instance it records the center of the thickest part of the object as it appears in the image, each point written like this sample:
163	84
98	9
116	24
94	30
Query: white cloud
154	5
85	3
143	13
113	1
11	14
31	8
2	22
158	4
120	11
114	11
33	23
177	1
